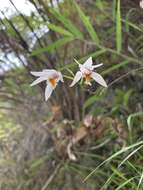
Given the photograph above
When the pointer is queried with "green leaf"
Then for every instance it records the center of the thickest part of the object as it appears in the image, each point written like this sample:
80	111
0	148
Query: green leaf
92	100
59	30
67	23
100	5
117	172
130	122
59	43
118	28
130	24
93	55
123	150
127	97
125	183
37	163
115	67
127	27
86	21
127	157
131	116
140	181
114	9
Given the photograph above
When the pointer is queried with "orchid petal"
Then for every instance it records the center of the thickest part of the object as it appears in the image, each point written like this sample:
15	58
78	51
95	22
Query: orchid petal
96	66
49	71
99	79
48	91
83	69
37	74
54	73
45	72
87	67
88	63
76	78
40	79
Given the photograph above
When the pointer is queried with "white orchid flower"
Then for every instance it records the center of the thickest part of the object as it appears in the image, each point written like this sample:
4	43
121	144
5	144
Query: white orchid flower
141	4
51	76
86	72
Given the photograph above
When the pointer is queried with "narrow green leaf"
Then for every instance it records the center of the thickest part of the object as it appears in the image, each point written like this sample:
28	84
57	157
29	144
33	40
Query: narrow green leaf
86	21
127	27
118	28
127	157
114	9
108	181
127	97
122	175
117	172
125	183
59	43
130	24
100	5
91	100
93	55
67	23
140	181
115	67
38	162
125	149
129	120
59	29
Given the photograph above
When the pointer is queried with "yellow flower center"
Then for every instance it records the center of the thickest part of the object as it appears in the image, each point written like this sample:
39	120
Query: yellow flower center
88	78
53	81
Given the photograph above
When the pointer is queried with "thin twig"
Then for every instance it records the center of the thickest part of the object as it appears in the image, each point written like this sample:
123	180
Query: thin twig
125	75
51	177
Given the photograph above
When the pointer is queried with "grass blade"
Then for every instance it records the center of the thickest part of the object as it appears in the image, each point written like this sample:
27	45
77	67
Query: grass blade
125	183
129	122
67	23
115	67
114	9
140	181
113	156
118	28
59	29
132	153
86	21
59	43
91	100
131	116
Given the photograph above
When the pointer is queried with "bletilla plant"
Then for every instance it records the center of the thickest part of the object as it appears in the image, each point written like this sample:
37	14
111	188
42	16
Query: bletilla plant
51	76
86	72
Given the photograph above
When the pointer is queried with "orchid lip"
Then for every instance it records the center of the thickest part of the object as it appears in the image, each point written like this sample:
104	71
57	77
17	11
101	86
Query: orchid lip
88	78
53	81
